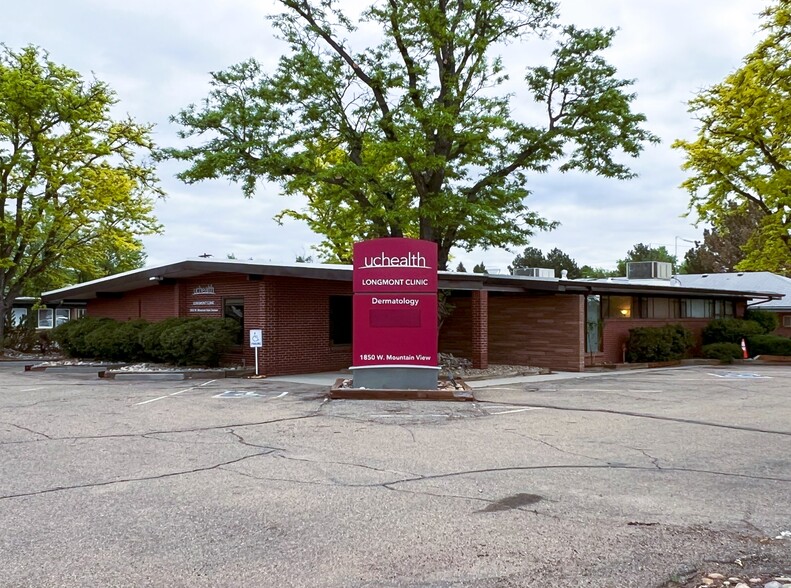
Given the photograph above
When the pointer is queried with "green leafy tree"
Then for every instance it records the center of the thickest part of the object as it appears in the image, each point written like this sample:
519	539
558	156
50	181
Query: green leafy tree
101	261
461	268
742	154
411	137
555	259
642	252
722	249
587	271
479	269
71	183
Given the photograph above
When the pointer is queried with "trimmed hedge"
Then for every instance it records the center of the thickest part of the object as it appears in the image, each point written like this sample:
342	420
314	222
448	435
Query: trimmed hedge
768	320
768	345
668	343
725	352
182	341
730	330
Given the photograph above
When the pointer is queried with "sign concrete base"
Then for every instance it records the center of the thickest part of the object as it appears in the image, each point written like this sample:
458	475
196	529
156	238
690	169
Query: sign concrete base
395	377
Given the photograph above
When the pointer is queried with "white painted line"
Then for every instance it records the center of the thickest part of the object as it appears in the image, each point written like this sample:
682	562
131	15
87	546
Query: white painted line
176	393
518	410
280	395
152	400
411	416
32	389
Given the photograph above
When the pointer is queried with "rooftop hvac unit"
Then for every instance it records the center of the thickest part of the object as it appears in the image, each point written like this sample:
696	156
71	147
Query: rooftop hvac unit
647	270
536	272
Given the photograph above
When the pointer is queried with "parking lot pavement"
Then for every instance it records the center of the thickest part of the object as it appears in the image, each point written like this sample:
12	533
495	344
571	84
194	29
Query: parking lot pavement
636	479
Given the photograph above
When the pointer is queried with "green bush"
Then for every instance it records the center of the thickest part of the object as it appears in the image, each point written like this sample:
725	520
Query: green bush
730	330
769	321
199	342
768	345
150	337
726	352
116	341
22	337
71	336
667	343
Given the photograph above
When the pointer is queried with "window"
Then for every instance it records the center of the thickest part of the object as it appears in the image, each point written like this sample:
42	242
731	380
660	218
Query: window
340	320
787	320
233	308
45	318
659	308
723	308
593	324
696	308
78	313
618	307
62	315
18	316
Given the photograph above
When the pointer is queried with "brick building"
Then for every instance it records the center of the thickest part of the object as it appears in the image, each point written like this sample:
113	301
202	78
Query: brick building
304	311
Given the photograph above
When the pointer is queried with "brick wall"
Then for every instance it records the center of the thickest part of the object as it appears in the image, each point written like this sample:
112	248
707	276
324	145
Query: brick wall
293	314
544	331
616	333
152	304
781	330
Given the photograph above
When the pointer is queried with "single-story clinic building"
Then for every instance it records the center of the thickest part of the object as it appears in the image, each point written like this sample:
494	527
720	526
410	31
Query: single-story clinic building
305	311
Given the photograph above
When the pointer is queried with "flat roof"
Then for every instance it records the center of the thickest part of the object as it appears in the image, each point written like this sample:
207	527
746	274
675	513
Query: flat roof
194	268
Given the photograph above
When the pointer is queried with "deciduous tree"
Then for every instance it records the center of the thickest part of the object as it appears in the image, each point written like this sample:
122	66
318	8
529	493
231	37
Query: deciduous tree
71	182
554	259
413	136
742	154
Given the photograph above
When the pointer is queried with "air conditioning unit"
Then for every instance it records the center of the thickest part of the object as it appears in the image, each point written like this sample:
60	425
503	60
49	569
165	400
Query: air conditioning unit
647	270
536	272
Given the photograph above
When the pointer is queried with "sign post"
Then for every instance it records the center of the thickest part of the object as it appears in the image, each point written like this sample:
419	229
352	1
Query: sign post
395	314
256	342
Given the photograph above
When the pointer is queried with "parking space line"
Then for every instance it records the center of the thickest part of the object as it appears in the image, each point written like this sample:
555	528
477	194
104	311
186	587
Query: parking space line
175	393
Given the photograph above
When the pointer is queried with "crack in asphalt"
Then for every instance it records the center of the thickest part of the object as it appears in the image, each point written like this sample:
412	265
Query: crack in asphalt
645	416
147	433
555	447
24	429
139	479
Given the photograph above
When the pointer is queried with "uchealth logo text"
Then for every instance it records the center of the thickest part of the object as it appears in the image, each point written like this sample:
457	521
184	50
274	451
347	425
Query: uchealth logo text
411	259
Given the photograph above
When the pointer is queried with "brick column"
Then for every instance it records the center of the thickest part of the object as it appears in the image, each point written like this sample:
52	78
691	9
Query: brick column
480	329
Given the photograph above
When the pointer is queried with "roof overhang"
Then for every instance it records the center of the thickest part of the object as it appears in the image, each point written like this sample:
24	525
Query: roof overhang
116	285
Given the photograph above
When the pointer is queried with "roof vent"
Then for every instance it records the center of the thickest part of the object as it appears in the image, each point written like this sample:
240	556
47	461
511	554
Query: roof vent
648	270
564	274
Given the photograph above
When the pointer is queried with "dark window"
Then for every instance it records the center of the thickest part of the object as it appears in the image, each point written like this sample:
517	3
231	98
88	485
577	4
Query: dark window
340	320
661	308
593	334
233	308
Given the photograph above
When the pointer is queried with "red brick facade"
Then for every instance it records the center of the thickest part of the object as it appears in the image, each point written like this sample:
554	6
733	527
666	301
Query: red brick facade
543	330
527	328
293	314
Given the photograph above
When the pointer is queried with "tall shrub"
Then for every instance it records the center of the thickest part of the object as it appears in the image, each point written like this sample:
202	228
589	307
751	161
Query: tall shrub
667	343
730	330
768	320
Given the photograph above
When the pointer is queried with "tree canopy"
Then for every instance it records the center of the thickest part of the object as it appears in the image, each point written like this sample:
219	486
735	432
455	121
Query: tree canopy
414	136
71	186
742	154
554	259
643	252
722	249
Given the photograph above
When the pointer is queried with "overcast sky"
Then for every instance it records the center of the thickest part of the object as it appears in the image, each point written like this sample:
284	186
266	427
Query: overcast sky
156	55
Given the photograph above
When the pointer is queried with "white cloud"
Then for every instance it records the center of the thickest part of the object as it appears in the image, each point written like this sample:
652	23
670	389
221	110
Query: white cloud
157	54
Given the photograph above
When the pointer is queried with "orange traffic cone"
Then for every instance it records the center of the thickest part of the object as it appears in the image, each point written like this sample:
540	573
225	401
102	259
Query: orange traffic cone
744	349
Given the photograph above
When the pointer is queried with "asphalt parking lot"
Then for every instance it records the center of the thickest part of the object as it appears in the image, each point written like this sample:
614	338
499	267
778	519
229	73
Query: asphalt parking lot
623	479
